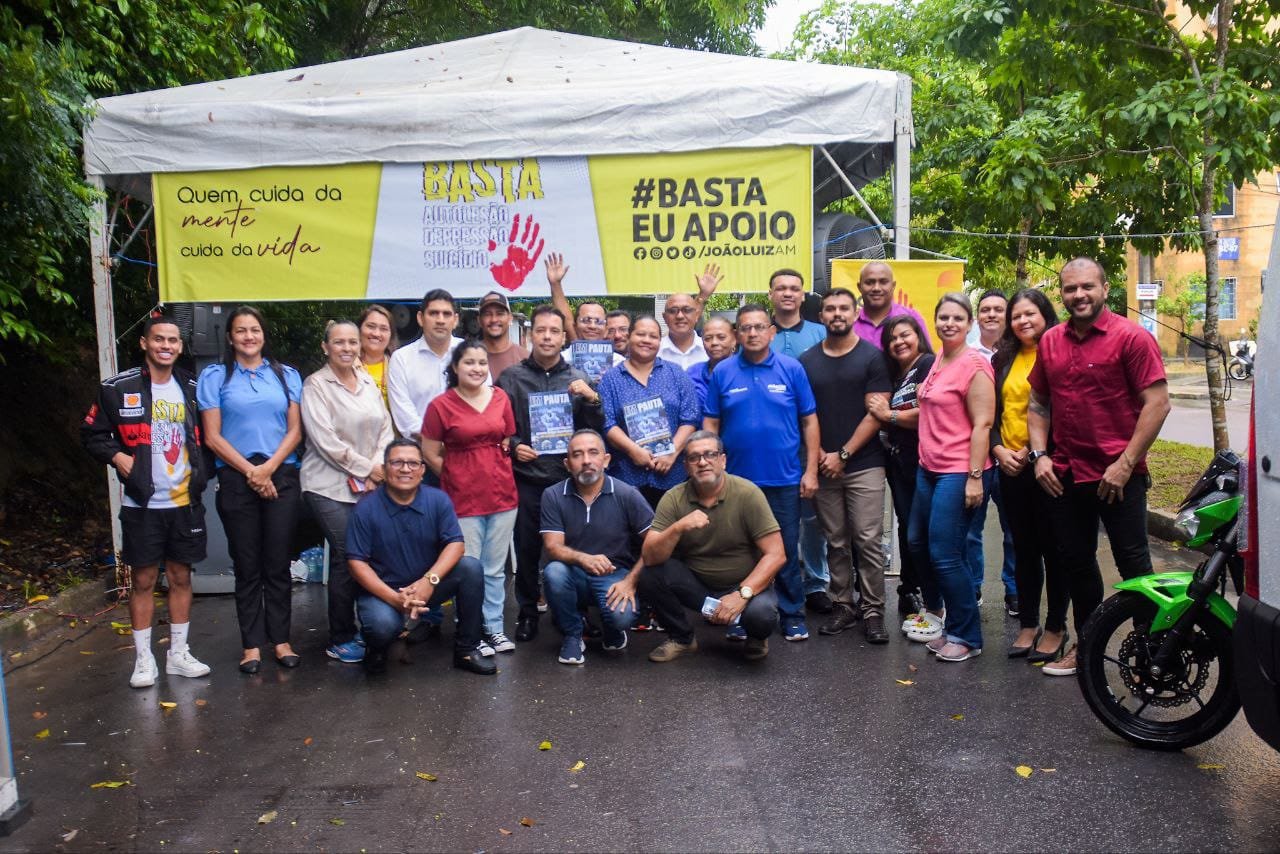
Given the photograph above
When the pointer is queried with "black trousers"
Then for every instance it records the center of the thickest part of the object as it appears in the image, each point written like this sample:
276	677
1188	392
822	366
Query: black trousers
900	471
259	533
671	587
1075	516
528	539
332	517
1037	565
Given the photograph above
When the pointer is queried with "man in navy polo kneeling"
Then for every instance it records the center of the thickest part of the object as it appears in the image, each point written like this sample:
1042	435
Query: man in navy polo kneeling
405	549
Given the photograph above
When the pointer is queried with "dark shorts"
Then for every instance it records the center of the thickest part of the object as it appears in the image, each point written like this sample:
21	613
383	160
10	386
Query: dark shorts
154	536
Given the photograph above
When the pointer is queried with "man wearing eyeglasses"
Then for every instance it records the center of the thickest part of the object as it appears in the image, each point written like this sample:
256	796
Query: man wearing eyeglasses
682	345
762	405
405	548
713	538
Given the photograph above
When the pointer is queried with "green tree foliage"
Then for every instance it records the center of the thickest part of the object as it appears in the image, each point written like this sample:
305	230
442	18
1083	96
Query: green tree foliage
1184	302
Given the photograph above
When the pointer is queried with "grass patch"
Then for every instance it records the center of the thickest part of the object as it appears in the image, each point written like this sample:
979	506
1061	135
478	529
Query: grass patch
1174	466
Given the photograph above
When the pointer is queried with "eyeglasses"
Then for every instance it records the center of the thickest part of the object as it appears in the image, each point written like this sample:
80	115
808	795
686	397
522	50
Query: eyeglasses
590	321
749	328
705	456
678	309
407	465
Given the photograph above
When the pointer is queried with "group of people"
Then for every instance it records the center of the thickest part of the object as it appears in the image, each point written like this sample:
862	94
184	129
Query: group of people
739	471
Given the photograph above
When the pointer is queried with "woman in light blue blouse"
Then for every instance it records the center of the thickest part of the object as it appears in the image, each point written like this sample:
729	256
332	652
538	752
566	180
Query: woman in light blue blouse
650	409
249	406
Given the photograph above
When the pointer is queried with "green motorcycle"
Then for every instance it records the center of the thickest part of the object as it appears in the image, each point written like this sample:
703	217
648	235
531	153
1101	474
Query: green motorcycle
1155	661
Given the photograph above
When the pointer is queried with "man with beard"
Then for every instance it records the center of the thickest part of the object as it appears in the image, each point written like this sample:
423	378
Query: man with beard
617	328
592	529
495	327
849	377
1099	384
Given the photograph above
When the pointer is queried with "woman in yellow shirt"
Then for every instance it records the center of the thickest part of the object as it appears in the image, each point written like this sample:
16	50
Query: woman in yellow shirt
377	343
1037	567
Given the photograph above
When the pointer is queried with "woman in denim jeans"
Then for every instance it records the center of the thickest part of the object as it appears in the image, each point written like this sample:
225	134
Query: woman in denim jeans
957	409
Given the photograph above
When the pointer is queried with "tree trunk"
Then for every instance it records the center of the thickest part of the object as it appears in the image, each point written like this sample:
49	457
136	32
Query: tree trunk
1212	358
1021	276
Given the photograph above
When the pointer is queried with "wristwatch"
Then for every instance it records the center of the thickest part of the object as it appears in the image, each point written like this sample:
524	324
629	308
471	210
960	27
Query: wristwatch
1035	455
746	592
843	454
433	579
976	474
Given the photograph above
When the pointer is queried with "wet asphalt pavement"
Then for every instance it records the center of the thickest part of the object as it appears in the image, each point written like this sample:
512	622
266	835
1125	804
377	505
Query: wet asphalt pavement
819	747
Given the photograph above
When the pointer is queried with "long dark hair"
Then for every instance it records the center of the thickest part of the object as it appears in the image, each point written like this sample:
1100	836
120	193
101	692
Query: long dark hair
229	357
451	372
1009	345
886	333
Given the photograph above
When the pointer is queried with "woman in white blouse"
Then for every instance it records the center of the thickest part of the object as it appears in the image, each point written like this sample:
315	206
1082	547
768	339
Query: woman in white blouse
347	429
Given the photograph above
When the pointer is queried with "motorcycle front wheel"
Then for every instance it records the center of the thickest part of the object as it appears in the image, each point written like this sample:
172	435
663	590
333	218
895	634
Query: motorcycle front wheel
1185	706
1238	371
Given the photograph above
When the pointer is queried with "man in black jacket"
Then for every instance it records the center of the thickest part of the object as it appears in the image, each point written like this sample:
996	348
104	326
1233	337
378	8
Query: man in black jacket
144	424
551	399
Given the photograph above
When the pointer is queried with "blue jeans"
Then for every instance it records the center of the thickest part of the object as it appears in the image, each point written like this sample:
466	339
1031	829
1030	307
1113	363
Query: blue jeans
464	584
784	501
973	544
813	549
571	588
937	532
488	540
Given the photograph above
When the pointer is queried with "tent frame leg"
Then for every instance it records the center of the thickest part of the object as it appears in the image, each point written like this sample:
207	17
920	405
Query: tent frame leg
902	138
105	319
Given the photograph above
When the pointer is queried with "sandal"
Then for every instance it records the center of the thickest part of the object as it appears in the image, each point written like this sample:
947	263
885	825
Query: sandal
925	629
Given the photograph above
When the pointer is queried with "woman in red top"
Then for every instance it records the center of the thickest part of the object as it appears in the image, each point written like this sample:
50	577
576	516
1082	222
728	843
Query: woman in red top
957	408
464	438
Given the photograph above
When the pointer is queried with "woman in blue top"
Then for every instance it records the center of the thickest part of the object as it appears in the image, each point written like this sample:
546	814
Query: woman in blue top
650	410
249	406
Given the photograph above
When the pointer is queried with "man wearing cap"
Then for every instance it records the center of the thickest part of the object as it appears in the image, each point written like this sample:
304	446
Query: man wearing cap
495	329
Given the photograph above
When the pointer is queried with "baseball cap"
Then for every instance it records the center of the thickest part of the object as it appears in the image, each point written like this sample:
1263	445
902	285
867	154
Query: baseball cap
494	297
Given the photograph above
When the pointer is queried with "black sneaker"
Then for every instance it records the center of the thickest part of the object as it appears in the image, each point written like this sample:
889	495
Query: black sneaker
819	602
909	602
1011	604
475	662
874	629
842	617
375	661
526	629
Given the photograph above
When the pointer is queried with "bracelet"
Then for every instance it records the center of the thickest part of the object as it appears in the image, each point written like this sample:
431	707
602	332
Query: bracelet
893	417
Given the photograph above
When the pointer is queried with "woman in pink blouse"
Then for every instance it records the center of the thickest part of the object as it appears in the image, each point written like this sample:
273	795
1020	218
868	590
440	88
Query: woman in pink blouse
464	439
957	408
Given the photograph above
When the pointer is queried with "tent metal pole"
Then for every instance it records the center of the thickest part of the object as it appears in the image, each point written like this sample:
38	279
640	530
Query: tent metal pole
124	247
902	137
105	317
849	184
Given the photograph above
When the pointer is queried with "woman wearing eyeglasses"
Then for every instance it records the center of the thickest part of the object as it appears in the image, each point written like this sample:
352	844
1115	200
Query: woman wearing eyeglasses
348	426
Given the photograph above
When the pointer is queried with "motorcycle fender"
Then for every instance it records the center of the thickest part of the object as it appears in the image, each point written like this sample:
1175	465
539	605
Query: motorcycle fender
1168	592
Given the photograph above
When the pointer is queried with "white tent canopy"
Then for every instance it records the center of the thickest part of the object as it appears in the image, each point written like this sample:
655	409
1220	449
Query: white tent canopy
519	93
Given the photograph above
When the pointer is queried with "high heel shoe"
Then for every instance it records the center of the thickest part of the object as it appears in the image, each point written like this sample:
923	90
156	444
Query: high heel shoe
1016	651
1037	656
251	666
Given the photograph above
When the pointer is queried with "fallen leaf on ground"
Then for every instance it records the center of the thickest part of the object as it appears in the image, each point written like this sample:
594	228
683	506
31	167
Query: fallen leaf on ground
423	775
39	715
119	625
546	745
912	668
1024	771
1037	664
957	717
1210	766
86	652
578	766
34	599
268	817
336	822
71	834
202	702
1049	770
504	831
307	741
166	704
109	784
905	681
527	822
44	733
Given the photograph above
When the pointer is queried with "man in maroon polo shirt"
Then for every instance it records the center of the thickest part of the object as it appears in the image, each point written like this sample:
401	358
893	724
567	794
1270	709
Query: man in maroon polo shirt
1099	382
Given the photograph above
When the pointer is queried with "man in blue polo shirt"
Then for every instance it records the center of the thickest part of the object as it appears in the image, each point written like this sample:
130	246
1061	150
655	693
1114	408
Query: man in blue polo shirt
405	549
592	528
761	404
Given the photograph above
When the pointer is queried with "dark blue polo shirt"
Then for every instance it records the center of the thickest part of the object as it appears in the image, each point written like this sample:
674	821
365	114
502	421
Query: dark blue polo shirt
760	407
402	541
613	525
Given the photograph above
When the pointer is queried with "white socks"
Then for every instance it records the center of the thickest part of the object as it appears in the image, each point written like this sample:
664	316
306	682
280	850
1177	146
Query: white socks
142	642
178	637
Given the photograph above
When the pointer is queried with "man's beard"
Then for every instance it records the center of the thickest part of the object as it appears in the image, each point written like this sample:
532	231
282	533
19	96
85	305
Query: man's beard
588	478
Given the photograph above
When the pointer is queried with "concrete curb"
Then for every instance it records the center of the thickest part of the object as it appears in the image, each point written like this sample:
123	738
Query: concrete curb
1160	524
31	633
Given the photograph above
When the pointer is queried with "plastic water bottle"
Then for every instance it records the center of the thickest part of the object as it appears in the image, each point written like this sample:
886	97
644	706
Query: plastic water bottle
314	559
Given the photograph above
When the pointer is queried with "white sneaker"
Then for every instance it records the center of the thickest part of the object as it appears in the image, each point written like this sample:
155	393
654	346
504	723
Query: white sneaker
144	672
184	664
484	649
500	642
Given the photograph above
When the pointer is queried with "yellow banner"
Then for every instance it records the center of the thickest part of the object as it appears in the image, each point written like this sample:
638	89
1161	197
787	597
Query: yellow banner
265	234
663	218
919	283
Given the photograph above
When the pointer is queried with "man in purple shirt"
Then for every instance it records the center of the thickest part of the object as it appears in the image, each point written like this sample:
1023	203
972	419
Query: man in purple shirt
876	284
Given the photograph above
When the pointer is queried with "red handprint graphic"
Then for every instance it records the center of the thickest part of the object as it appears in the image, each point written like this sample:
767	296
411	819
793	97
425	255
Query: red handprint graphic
510	264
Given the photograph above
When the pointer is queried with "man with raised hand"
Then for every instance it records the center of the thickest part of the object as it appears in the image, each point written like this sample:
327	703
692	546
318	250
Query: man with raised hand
682	345
592	529
145	425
